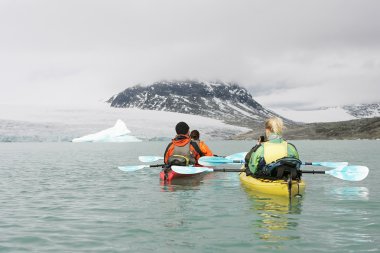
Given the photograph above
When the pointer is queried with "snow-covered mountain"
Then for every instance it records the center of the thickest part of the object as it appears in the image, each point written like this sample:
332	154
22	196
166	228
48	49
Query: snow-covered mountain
363	110
218	100
331	114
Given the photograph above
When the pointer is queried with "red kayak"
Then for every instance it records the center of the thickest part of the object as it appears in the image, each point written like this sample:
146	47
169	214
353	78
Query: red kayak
168	174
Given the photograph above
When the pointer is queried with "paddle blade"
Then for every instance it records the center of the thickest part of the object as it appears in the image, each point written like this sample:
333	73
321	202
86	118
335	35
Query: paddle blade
350	173
237	156
190	170
212	160
216	160
132	168
148	159
330	164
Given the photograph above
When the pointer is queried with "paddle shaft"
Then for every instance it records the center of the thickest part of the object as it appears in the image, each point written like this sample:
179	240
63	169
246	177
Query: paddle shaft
216	161
241	161
239	170
314	171
155	165
227	170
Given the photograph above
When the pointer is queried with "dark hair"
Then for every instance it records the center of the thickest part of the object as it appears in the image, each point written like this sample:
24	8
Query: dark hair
182	128
194	135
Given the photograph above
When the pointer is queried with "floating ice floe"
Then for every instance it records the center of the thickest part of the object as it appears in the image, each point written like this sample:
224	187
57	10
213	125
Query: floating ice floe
118	133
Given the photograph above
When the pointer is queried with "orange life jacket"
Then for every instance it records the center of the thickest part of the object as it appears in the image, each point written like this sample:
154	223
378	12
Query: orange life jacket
204	148
183	146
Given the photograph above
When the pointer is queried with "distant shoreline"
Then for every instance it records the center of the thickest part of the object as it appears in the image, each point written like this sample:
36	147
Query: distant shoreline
363	129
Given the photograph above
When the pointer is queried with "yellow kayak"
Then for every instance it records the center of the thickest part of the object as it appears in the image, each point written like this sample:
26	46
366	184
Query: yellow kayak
273	187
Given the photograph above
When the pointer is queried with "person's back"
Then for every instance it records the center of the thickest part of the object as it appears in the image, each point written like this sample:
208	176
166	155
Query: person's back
181	151
274	149
206	151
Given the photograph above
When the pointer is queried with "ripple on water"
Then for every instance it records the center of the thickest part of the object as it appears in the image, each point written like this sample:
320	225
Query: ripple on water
72	198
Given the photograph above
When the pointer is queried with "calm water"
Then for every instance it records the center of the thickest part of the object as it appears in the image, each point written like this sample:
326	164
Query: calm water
70	197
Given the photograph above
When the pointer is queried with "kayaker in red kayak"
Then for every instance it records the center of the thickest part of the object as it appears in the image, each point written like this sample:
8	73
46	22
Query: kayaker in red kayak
264	160
182	151
202	145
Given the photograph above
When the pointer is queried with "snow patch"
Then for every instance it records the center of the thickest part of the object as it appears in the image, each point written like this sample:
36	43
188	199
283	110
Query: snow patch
253	115
240	110
312	116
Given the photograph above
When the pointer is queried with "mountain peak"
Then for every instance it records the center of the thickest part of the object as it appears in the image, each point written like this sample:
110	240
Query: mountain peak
220	100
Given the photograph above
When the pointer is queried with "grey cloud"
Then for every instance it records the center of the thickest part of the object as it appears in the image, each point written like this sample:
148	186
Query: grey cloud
270	47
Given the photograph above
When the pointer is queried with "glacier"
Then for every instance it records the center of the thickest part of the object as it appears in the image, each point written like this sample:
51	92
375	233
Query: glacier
36	123
317	115
118	133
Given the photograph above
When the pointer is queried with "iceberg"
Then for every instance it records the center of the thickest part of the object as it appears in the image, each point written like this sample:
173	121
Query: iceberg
118	133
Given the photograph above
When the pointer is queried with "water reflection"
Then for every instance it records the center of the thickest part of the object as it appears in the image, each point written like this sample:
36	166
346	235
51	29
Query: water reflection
276	216
350	193
185	183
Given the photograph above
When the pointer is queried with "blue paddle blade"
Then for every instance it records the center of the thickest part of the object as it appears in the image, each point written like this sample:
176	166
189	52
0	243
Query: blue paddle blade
190	170
132	168
237	156
148	159
330	164
203	163
216	160
350	173
213	160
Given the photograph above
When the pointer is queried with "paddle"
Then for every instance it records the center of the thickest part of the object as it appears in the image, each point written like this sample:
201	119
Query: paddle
236	156
215	161
148	159
349	173
138	167
195	170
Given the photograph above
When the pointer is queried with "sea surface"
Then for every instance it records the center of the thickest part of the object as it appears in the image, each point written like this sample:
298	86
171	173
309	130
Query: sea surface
71	197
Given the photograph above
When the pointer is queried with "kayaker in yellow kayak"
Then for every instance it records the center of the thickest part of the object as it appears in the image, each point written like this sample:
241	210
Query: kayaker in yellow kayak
268	152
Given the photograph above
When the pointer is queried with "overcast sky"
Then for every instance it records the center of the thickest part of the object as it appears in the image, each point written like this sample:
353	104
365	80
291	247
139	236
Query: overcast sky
296	54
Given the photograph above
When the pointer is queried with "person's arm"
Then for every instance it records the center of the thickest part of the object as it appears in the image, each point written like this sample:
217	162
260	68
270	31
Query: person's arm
205	149
255	159
168	151
292	151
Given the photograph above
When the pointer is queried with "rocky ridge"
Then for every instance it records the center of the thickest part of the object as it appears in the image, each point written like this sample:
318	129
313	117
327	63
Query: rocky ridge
219	100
